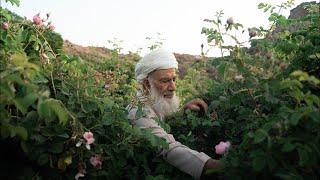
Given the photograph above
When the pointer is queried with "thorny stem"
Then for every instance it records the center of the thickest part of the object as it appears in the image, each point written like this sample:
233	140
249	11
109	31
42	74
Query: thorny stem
253	99
51	50
274	22
220	44
78	88
53	86
55	56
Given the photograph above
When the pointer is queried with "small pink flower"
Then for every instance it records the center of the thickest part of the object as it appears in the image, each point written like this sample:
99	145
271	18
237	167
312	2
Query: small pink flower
222	147
96	161
52	27
88	136
37	20
5	26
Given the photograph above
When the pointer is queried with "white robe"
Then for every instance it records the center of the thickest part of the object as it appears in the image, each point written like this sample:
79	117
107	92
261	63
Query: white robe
178	155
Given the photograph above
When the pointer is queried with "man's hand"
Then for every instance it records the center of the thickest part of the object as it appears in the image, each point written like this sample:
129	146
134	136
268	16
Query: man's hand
197	105
211	164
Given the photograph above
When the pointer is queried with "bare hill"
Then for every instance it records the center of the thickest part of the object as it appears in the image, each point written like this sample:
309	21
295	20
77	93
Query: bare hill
97	54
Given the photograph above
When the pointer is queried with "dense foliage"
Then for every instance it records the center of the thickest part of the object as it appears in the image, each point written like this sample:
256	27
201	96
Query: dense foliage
50	101
264	101
63	116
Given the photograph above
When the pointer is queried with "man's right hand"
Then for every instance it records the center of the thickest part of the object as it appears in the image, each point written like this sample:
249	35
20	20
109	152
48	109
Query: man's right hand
211	164
197	105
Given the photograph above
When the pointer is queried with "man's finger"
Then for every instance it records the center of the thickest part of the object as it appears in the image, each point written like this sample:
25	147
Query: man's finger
193	107
202	105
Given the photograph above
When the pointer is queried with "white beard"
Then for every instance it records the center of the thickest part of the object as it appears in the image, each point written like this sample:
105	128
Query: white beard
163	106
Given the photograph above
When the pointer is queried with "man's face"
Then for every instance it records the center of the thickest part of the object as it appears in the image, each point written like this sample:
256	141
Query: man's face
164	81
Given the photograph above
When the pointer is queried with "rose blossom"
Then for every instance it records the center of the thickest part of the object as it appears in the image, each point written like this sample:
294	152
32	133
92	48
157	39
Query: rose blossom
222	147
88	136
5	26
37	20
96	161
52	27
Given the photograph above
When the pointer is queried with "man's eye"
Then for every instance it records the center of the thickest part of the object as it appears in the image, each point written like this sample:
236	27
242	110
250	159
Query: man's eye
168	80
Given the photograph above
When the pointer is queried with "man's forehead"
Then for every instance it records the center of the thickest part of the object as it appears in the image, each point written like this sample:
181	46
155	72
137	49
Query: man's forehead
164	72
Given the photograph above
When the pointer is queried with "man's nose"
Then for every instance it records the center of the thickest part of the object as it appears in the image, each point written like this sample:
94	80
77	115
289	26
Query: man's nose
172	85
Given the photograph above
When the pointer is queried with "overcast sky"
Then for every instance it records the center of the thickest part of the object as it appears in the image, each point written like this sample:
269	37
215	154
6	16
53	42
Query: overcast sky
94	22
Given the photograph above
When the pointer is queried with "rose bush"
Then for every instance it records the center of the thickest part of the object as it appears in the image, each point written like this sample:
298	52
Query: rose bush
64	117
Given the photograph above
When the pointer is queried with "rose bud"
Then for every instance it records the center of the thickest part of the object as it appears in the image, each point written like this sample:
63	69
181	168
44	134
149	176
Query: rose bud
230	21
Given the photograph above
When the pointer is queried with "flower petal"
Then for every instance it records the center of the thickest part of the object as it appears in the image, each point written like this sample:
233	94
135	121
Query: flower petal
78	175
88	146
79	143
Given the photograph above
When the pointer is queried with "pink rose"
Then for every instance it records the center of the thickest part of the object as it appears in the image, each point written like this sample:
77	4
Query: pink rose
51	27
37	20
88	136
222	147
5	26
96	161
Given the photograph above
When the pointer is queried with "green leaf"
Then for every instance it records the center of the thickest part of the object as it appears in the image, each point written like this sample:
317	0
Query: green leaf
14	2
214	104
22	132
23	103
222	68
21	60
107	120
24	146
303	156
4	116
155	140
64	135
311	98
50	107
259	162
15	77
216	123
56	147
260	135
295	117
5	130
287	147
43	159
315	116
7	91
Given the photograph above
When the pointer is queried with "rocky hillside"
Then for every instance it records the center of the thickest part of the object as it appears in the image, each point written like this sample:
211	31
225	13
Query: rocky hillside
98	54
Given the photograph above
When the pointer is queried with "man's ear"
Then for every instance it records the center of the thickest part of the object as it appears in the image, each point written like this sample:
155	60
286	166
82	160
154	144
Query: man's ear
146	84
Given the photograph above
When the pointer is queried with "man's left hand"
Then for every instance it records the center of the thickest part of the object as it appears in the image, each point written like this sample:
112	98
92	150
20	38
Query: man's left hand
197	105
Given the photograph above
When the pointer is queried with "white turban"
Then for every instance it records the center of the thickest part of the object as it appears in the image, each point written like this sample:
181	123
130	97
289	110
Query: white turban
158	59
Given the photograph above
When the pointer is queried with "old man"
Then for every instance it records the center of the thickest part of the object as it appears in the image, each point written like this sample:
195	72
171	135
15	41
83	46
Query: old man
156	72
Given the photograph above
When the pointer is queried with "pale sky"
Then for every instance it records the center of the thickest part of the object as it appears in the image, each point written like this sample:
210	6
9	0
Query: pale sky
94	22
